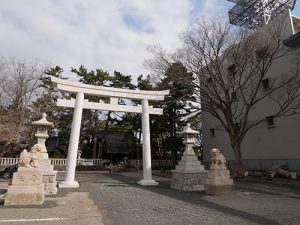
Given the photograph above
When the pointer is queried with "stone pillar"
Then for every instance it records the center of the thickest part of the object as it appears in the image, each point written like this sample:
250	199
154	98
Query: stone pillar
69	181
147	173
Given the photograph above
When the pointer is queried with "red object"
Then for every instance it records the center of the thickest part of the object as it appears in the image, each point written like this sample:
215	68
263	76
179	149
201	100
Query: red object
10	181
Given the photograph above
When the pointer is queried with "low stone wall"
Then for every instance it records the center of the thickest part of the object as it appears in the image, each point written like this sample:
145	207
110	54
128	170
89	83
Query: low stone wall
263	164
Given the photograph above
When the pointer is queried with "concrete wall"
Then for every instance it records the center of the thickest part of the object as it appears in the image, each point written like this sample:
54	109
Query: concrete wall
279	142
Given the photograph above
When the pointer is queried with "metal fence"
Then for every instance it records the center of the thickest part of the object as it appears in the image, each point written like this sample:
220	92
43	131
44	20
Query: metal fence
154	163
263	164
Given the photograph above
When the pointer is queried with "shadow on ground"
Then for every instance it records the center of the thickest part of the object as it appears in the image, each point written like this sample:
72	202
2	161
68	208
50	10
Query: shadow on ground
197	199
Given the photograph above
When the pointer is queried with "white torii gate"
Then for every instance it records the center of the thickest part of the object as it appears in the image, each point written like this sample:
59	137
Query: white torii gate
113	93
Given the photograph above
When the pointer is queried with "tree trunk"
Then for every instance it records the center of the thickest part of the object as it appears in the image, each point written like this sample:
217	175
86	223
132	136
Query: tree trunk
103	136
138	153
95	135
94	144
239	170
173	139
139	145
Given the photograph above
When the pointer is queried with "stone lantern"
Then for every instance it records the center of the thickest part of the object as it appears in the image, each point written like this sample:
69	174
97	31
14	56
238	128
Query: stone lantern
45	167
189	139
42	131
189	174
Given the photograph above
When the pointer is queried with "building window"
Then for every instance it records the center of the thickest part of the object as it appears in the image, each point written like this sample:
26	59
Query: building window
233	96
212	132
270	121
231	70
265	84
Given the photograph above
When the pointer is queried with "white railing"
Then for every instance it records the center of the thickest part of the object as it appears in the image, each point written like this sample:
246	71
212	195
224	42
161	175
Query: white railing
87	162
95	162
8	161
59	161
56	161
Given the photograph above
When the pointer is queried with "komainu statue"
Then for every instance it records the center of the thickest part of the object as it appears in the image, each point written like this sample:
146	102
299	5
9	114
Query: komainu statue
217	158
36	148
29	159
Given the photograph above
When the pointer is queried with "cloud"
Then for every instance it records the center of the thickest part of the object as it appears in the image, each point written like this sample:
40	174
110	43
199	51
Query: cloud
211	8
108	34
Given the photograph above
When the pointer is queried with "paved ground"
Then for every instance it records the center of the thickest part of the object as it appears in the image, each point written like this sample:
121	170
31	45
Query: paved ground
105	198
69	206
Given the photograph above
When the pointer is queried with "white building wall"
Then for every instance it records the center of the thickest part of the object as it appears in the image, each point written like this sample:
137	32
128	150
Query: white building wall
262	146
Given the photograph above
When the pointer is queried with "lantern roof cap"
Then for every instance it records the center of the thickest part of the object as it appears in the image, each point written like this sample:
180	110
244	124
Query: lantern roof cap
43	122
188	130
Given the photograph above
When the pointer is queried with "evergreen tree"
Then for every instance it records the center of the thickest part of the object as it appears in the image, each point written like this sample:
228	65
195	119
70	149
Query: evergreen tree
176	104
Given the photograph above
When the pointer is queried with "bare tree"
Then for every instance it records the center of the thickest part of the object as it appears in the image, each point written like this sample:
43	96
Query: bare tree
230	66
160	63
19	84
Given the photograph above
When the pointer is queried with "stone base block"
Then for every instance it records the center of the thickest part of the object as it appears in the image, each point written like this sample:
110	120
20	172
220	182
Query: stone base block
218	190
42	167
218	181
27	178
25	195
147	182
218	173
26	189
189	163
49	179
188	181
51	188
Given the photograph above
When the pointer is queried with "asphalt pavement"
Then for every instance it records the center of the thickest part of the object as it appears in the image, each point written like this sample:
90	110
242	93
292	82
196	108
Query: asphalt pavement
116	198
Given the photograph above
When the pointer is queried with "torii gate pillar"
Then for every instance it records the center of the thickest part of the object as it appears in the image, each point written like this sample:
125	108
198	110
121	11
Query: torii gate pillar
147	173
69	181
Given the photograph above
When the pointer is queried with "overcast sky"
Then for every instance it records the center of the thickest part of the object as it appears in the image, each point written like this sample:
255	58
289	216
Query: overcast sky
107	34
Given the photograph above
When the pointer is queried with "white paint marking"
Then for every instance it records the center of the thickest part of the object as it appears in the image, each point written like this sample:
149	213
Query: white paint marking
30	220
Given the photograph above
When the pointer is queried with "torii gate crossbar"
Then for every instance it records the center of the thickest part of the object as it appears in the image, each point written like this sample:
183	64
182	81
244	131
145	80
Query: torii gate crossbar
113	93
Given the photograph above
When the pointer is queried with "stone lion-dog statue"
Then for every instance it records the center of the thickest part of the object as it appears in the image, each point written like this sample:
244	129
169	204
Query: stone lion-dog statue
217	158
29	159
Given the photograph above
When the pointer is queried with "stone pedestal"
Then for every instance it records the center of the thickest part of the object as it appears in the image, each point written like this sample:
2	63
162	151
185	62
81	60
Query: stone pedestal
189	175
218	181
49	175
26	189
